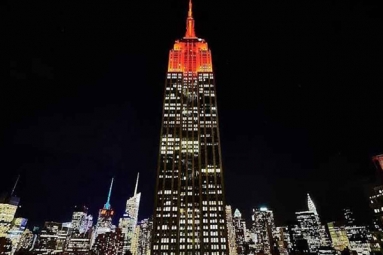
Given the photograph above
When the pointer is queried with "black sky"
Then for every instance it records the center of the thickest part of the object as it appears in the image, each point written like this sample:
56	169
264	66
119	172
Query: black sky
299	93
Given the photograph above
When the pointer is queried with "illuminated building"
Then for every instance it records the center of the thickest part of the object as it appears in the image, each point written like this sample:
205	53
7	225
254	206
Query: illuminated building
16	231
46	242
338	236
325	240
128	222
109	243
144	231
134	244
81	221
5	246
359	236
230	231
78	244
26	240
263	228
8	207
376	197
104	221
240	231
310	229
189	211
283	240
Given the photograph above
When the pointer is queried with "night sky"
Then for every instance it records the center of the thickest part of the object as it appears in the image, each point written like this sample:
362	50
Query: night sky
298	87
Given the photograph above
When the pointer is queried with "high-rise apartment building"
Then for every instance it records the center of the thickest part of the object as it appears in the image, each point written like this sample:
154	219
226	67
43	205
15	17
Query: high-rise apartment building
189	212
128	222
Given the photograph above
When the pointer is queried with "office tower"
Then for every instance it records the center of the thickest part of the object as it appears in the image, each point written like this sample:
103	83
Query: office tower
145	231
310	229
109	243
230	231
189	211
240	231
104	221
263	228
8	208
81	221
128	222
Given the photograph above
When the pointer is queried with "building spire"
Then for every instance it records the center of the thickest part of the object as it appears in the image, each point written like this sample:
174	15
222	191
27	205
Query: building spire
311	205
135	189
190	33
14	187
190	13
107	204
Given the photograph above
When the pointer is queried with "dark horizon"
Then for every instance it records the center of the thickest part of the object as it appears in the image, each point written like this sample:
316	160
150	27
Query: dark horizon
297	87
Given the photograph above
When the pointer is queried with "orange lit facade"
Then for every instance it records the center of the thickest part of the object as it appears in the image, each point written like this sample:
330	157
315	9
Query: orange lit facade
189	215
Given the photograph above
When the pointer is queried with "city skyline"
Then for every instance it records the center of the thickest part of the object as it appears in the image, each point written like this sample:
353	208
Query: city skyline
302	131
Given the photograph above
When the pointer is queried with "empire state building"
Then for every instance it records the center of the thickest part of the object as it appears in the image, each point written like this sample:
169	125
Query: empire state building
189	212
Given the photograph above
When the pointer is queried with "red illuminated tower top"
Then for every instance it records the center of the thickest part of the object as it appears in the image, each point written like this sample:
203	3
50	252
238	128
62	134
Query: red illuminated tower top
190	54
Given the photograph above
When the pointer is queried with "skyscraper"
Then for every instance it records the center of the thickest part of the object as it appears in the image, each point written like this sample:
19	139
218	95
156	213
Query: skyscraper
231	231
104	221
264	229
310	229
240	231
189	214
128	222
8	208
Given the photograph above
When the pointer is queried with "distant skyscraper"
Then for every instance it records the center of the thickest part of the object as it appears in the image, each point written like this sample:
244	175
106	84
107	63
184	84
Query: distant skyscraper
145	231
240	231
231	231
128	222
189	214
310	229
81	221
283	240
104	221
8	208
109	243
263	228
